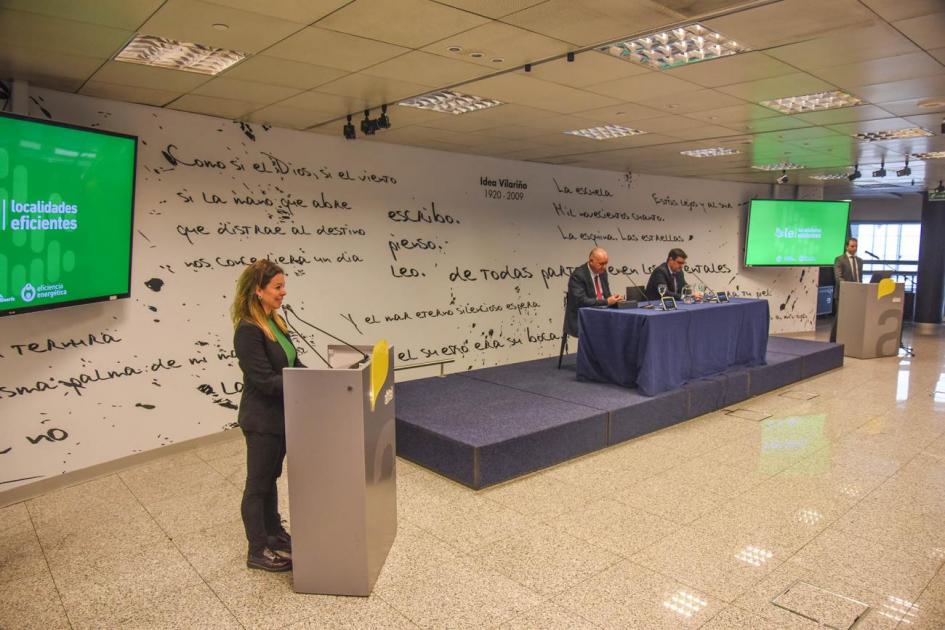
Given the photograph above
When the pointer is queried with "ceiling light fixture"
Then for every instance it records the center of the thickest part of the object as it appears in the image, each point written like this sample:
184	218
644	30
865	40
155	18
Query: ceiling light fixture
892	134
149	50
713	152
368	126
455	49
676	47
605	132
778	166
348	130
783	179
528	67
929	155
881	172
570	57
449	102
904	171
812	102
856	174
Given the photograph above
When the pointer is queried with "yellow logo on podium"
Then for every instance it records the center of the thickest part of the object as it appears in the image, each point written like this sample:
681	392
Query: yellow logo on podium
379	366
886	286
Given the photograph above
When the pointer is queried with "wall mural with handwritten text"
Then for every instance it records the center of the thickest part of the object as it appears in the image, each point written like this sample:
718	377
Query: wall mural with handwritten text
447	256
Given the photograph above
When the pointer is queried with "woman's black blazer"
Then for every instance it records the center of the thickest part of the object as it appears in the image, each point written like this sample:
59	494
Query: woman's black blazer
261	360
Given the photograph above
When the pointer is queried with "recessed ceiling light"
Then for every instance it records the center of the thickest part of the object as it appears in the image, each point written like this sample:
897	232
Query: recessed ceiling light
605	132
149	50
221	27
498	60
450	102
931	103
713	152
779	166
477	55
676	47
812	102
892	134
930	155
455	49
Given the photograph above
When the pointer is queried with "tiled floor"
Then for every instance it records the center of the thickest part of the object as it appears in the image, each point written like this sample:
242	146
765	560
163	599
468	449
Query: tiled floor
700	525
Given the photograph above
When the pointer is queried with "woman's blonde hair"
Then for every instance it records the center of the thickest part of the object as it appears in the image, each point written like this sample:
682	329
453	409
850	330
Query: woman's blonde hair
246	305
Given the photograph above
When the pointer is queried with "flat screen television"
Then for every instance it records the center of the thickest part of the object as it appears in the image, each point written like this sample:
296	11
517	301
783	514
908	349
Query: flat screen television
795	233
66	214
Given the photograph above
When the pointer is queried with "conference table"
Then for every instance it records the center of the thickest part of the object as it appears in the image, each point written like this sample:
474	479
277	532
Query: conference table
656	351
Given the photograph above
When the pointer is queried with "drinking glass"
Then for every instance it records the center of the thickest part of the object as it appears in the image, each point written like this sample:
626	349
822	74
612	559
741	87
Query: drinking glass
661	289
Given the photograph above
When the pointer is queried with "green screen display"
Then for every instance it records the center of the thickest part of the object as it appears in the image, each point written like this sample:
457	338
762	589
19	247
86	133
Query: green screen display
66	210
792	233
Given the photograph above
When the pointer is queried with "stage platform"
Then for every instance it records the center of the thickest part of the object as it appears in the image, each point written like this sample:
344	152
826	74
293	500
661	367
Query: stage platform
486	426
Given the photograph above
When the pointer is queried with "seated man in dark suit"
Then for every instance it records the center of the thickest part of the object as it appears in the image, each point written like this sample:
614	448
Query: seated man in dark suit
847	267
669	273
588	286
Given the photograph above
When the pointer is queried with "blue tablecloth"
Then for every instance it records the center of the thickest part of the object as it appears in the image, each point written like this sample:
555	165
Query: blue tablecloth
656	351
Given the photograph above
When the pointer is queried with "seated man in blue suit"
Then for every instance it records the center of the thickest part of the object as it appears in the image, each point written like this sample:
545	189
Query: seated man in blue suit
588	286
669	273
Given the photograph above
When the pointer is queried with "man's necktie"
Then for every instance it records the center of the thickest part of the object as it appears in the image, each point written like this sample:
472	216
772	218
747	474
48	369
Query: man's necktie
600	293
856	275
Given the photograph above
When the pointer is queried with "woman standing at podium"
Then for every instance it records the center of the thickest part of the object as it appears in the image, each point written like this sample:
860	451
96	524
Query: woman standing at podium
263	349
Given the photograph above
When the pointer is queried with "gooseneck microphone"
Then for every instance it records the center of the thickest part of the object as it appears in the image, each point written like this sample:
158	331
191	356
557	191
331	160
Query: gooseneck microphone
870	254
302	337
364	357
708	289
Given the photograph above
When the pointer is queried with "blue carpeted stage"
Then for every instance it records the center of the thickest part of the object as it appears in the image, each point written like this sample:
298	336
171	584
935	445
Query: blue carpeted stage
486	426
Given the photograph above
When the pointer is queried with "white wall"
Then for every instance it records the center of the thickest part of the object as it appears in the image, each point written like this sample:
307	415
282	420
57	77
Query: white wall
481	284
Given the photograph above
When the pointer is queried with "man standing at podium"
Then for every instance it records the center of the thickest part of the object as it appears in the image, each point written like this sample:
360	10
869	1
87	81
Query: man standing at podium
847	267
588	286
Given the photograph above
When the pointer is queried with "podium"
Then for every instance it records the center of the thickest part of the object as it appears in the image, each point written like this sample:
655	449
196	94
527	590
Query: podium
869	318
341	470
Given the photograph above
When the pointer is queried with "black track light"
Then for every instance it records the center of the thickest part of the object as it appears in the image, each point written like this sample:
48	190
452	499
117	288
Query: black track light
905	171
383	122
349	130
882	169
943	125
856	174
368	126
784	178
941	188
528	67
570	57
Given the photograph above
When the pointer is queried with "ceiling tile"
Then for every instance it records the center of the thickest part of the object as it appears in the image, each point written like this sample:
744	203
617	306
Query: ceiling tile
938	53
735	114
932	122
37	65
872	126
589	22
740	68
643	87
669	124
516	88
224	108
298	11
586	69
775	123
492	8
688	102
927	31
120	14
514	46
128	93
289	117
859	44
336	50
245	91
620	113
284	72
193	20
931	87
374	90
702	132
136	75
790	21
410	23
427	69
796	84
20	29
328	103
843	114
909	66
910	107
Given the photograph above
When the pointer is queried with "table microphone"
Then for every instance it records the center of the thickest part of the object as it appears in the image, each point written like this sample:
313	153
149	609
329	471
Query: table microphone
708	289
